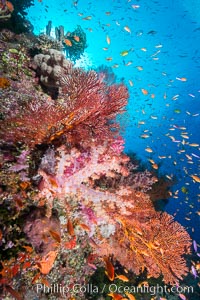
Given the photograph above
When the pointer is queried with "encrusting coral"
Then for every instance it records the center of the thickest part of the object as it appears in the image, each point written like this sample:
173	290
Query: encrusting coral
57	153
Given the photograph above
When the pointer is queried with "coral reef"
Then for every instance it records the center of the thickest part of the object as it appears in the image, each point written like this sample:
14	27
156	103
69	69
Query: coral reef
13	15
76	198
6	8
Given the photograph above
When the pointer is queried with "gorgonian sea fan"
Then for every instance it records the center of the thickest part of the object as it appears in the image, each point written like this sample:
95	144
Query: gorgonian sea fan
85	109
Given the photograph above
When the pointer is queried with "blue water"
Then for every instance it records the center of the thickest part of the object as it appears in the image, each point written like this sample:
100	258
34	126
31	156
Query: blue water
163	57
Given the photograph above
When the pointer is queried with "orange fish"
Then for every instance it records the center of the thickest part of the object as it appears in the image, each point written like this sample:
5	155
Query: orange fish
195	178
77	38
84	226
122	277
68	42
108	40
110	271
70	227
55	235
181	79
144	92
130	296
10	6
115	296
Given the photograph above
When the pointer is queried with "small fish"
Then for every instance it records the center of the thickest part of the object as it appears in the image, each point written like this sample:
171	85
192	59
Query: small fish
191	95
87	18
143	49
110	271
144	136
70	227
126	28
115	296
124	53
130	296
197	156
128	63
177	111
195	245
77	38
68	42
108	39
130	82
139	68
181	79
155	166
148	149
122	277
10	6
135	6
195	178
194	145
84	226
109	58
194	272
115	66
144	92
55	235
185	136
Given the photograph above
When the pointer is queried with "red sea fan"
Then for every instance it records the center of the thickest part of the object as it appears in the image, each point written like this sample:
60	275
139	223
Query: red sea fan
83	111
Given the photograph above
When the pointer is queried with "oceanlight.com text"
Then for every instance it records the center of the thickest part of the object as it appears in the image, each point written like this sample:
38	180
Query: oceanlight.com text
113	288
